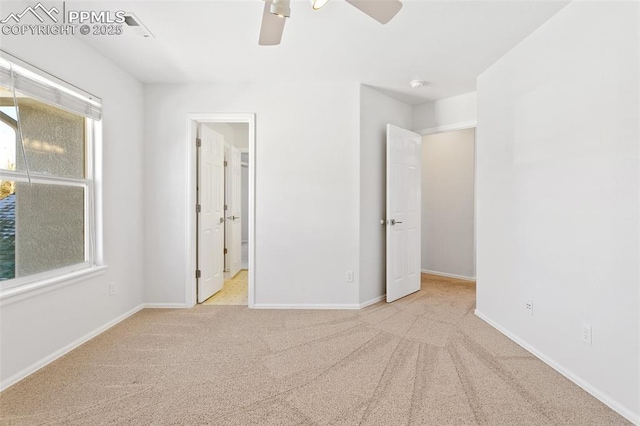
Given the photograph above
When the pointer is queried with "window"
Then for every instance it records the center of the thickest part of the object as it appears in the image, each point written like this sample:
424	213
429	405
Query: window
46	175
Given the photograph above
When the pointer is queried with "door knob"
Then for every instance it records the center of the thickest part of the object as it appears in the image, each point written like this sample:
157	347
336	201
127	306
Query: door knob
393	221
233	217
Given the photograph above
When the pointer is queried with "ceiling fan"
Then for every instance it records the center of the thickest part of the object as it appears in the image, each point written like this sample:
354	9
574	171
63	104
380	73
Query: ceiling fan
277	11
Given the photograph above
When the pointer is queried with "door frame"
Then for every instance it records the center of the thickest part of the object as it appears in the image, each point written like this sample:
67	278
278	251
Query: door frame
190	198
453	127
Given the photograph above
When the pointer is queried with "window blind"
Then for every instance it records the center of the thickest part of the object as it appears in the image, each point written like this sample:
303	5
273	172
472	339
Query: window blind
48	90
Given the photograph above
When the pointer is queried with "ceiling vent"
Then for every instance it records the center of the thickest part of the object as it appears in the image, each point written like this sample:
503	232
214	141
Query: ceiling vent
137	26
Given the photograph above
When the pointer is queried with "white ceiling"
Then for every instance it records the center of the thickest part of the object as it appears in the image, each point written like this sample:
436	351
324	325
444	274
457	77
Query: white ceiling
447	43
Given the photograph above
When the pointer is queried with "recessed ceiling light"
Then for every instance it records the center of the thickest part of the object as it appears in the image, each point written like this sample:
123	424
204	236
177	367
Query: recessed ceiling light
417	83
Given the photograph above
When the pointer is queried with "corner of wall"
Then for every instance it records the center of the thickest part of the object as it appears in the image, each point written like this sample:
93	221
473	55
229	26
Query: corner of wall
453	113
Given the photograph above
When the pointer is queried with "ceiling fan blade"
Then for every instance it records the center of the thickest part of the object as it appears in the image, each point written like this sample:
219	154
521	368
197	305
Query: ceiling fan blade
272	27
380	10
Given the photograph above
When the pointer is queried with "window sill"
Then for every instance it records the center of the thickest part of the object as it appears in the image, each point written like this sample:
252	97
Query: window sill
36	288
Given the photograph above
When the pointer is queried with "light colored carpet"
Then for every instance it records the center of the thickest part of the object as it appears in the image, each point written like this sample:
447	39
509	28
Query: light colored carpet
423	360
234	292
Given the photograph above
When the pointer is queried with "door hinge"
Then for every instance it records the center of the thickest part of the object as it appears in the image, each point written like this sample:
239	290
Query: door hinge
226	207
198	208
198	142
225	251
198	273
225	163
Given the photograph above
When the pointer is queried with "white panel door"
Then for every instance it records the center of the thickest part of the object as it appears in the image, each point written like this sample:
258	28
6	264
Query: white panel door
403	212
234	222
211	216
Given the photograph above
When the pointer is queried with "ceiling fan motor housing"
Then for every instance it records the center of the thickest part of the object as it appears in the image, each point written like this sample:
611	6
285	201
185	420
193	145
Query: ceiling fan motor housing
274	10
281	8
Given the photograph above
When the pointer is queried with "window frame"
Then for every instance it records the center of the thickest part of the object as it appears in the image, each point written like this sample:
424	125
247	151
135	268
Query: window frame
92	264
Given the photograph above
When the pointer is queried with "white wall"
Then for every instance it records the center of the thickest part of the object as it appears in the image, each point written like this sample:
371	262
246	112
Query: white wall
446	114
241	136
448	203
376	111
306	191
34	329
558	196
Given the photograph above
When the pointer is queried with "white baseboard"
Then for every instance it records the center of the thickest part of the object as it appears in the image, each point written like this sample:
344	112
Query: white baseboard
373	301
319	306
445	274
306	306
603	397
66	349
164	305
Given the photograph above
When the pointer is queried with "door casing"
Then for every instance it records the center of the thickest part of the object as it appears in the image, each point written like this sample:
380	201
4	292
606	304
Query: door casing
190	198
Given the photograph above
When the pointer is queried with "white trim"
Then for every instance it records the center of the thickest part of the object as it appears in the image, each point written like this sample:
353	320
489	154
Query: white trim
448	128
89	205
98	186
44	179
337	306
189	204
445	274
190	198
24	291
164	306
638	232
603	397
373	301
475	202
64	350
20	288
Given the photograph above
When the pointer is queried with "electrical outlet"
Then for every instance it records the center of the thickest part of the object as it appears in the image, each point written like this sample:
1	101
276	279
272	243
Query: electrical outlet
112	289
349	276
585	332
529	306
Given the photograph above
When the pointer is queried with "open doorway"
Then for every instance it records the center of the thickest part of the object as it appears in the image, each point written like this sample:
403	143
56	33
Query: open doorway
236	201
448	204
233	285
222	192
